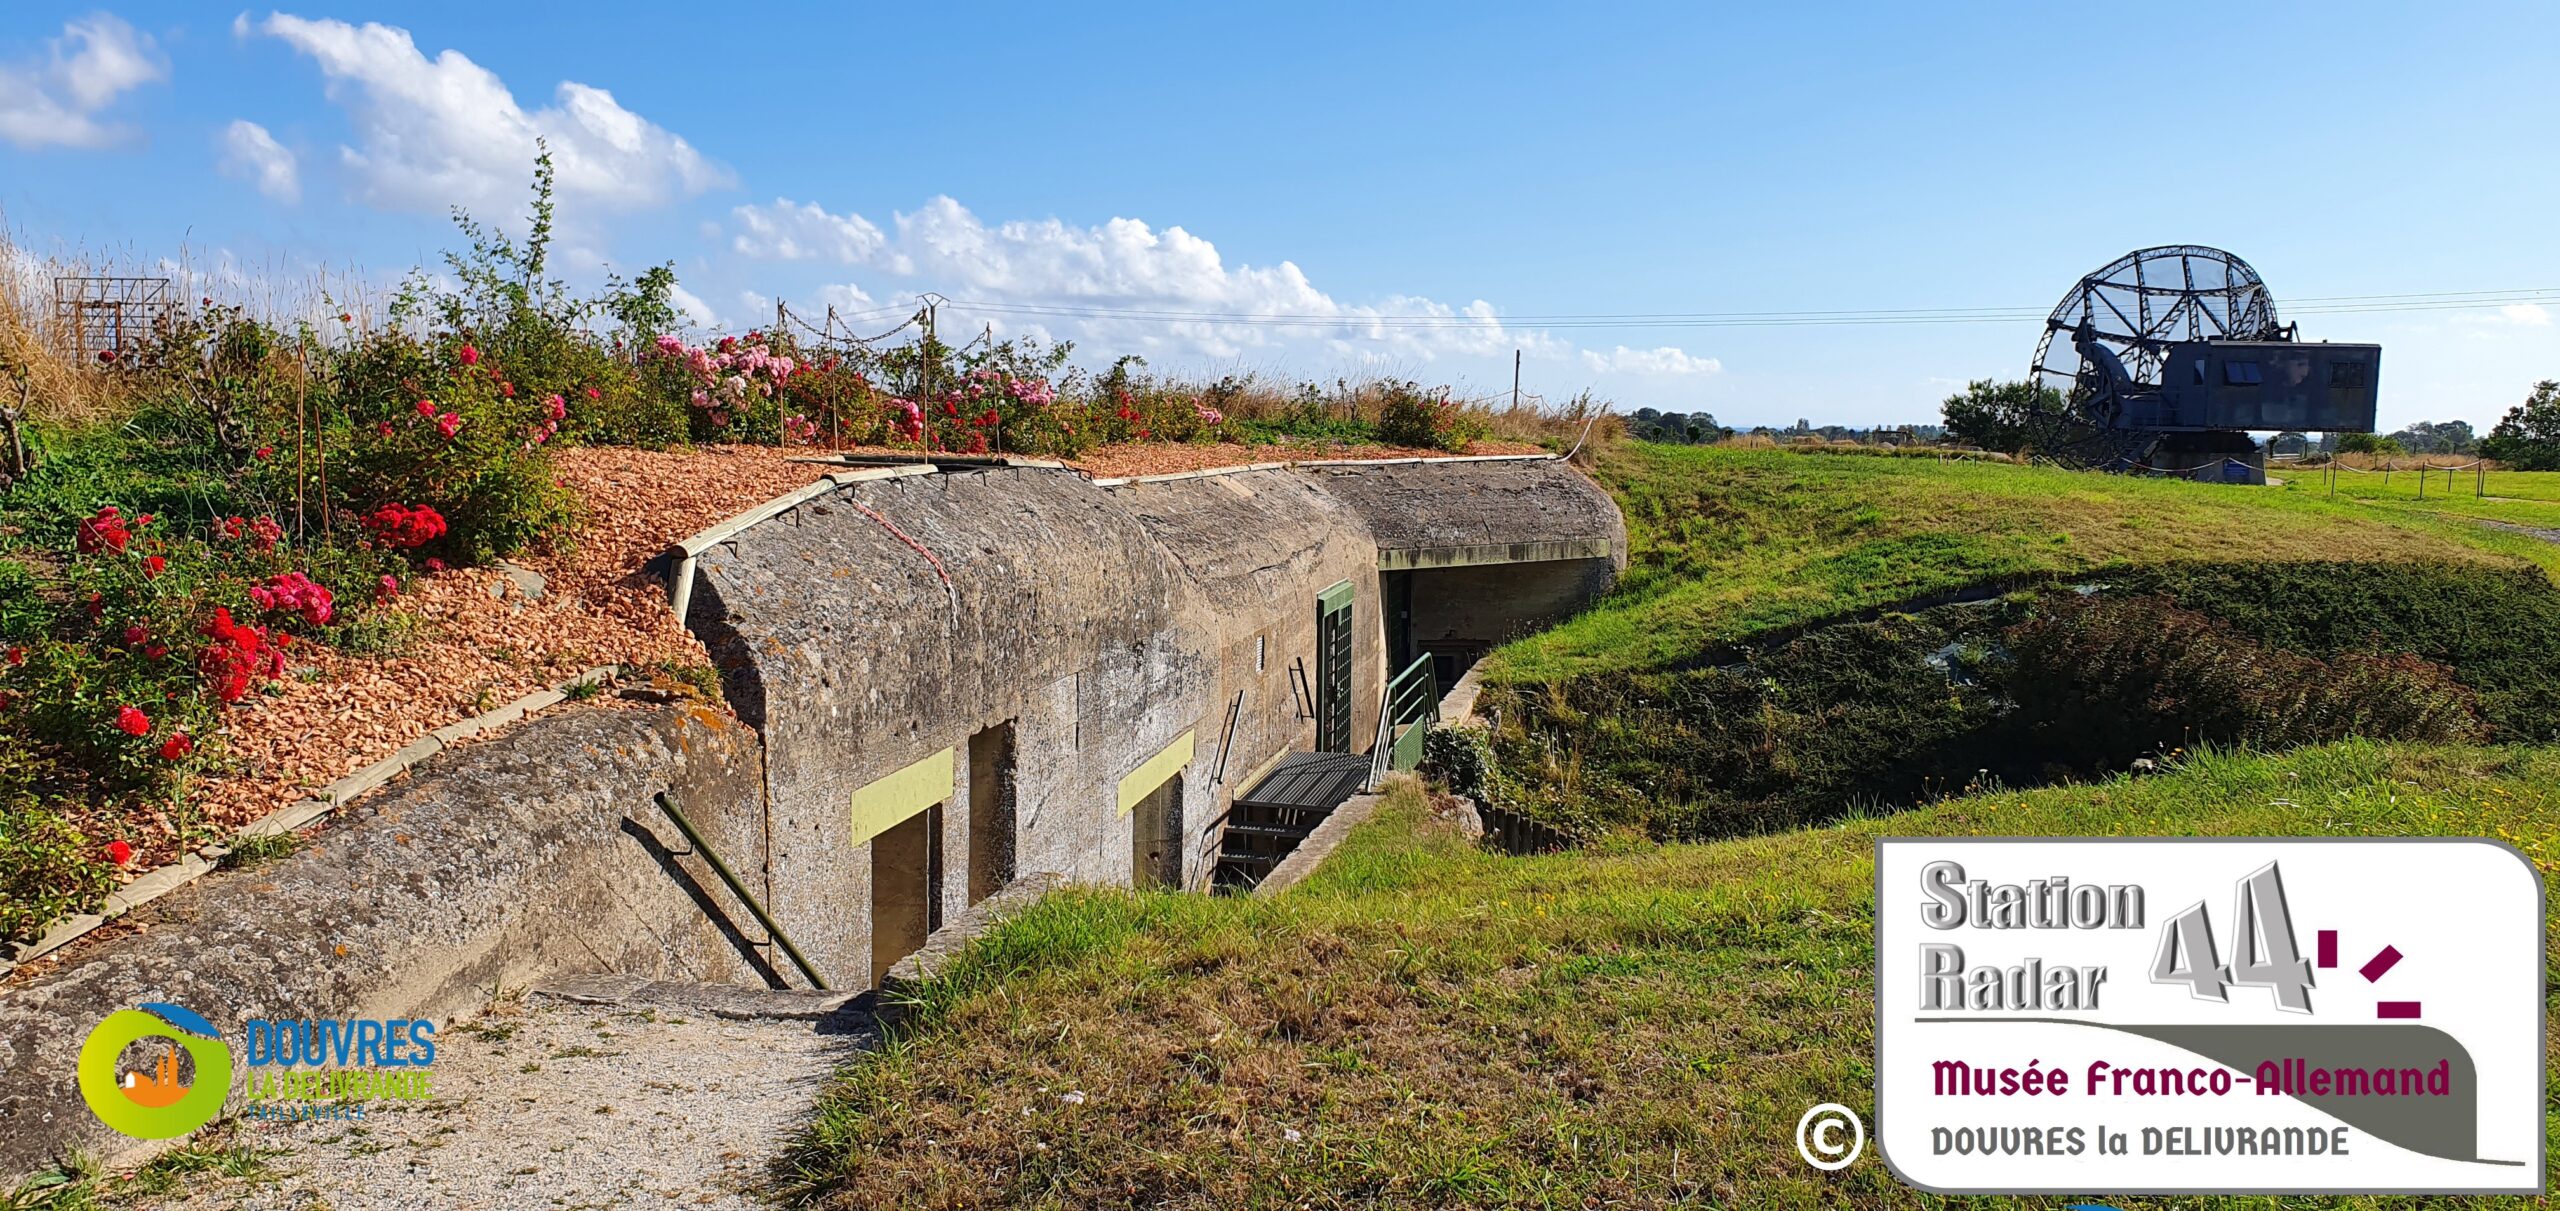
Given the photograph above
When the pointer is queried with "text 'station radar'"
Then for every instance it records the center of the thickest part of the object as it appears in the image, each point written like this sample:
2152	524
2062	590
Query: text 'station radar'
2208	1015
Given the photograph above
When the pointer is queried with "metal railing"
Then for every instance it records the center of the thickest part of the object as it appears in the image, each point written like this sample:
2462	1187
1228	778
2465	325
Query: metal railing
1405	715
694	838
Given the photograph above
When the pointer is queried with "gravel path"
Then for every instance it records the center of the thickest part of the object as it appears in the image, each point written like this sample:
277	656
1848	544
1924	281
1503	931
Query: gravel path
549	1105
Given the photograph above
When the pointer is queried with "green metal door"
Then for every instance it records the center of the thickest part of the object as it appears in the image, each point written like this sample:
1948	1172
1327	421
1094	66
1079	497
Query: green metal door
1333	669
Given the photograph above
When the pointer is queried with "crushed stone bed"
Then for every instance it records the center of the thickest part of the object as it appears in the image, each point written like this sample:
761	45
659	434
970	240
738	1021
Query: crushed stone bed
547	1105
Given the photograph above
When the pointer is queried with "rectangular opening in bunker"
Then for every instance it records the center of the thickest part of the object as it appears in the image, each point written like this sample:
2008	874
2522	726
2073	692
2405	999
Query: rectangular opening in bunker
906	883
991	811
1155	837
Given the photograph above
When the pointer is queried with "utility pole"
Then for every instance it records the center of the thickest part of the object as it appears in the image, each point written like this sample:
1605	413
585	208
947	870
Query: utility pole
932	303
1515	380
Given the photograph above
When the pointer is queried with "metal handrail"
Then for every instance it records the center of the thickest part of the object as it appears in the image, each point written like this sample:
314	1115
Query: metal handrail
738	889
1401	707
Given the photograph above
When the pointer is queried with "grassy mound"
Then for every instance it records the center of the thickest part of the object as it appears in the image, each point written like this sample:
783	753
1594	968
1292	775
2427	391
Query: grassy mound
1785	647
1426	1024
1730	545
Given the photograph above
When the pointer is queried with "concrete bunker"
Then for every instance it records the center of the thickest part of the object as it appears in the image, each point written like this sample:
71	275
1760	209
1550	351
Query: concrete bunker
1090	679
955	682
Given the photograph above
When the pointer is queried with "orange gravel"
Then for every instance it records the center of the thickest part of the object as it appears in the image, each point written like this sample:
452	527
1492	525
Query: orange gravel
478	644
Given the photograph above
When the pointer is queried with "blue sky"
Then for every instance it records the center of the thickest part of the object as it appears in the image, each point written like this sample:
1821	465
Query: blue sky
1490	161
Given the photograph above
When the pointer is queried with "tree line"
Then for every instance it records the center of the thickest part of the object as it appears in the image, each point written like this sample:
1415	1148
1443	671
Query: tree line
2016	416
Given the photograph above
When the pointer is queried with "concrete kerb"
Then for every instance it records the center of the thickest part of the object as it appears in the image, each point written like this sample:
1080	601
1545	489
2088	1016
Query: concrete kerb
898	987
1320	844
190	867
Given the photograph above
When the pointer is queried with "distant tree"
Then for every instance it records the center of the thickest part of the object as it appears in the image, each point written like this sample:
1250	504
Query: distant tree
2288	443
2368	443
2528	438
1647	424
2007	417
2428	437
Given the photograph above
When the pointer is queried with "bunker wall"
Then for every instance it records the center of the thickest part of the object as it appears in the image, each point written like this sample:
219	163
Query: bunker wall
492	865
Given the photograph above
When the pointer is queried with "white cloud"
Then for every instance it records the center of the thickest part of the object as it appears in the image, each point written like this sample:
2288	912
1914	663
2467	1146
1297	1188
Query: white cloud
789	231
695	312
1088	280
2525	315
434	133
57	102
250	154
1664	359
845	297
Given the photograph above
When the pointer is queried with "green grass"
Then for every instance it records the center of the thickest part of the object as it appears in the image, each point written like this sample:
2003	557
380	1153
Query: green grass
219	1156
1427	1024
1726	544
1441	1026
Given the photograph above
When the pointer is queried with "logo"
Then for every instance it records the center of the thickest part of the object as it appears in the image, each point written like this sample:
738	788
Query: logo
2223	1015
1818	1136
168	1099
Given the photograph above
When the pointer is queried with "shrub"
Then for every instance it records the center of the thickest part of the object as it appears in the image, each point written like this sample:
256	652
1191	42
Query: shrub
2102	680
1408	416
2497	629
49	869
447	429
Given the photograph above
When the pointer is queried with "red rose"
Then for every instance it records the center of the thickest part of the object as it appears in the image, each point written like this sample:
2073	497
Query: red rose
470	356
153	565
592	393
132	722
134	635
177	747
119	852
263	452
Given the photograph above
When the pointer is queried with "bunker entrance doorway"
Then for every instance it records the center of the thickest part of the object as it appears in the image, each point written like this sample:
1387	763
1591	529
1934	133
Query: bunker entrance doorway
1333	669
991	811
906	889
1456	614
1155	837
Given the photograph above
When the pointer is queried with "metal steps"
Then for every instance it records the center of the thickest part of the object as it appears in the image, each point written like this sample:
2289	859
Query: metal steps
1270	818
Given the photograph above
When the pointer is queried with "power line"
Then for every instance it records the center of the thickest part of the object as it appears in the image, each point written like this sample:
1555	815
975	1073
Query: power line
2323	305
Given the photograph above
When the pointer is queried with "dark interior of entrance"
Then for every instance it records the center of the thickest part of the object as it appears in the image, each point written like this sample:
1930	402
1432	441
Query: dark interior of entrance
1457	614
906	888
1155	837
991	811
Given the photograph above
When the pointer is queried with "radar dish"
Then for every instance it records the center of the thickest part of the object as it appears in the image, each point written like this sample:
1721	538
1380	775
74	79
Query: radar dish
2131	311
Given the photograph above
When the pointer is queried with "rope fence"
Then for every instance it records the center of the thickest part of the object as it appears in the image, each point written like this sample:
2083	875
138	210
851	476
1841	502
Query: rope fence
2479	467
